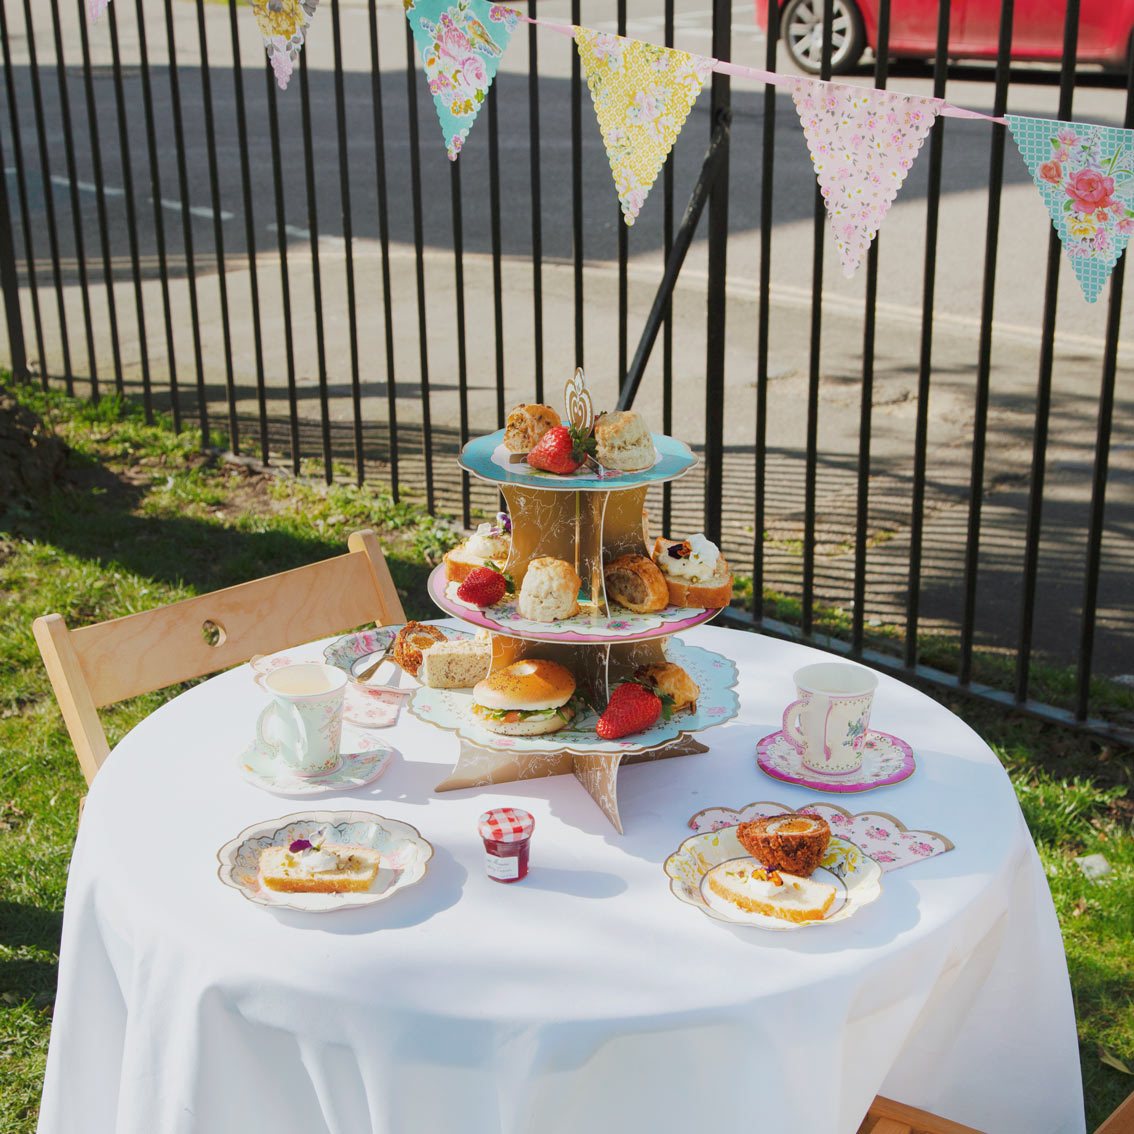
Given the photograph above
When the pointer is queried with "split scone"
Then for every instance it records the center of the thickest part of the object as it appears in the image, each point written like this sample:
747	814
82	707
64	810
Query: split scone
623	442
793	842
670	679
748	886
636	583
695	571
456	663
326	869
526	424
550	590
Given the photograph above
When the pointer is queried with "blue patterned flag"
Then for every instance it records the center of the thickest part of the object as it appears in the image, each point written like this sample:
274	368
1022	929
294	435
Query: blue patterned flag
461	43
1085	175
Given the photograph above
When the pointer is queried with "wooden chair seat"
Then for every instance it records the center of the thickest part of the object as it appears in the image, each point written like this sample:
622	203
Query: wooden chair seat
107	662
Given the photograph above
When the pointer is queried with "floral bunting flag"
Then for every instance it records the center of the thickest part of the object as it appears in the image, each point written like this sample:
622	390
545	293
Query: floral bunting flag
1085	175
97	7
642	94
283	25
863	142
461	45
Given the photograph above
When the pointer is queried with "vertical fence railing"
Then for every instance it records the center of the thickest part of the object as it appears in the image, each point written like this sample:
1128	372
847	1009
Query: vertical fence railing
65	267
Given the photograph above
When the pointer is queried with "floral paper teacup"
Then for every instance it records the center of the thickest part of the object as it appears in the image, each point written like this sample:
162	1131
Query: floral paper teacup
827	722
304	722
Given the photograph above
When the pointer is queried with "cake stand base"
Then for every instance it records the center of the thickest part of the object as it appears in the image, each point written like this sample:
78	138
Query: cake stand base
596	771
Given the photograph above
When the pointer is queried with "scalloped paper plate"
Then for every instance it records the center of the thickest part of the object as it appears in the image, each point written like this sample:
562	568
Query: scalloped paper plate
857	879
404	855
487	458
715	674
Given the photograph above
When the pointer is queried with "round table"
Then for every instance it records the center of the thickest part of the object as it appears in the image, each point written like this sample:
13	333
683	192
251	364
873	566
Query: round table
584	998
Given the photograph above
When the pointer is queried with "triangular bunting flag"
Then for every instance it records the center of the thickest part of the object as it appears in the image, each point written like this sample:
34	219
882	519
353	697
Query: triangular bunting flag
1085	175
283	25
461	44
863	143
642	95
97	7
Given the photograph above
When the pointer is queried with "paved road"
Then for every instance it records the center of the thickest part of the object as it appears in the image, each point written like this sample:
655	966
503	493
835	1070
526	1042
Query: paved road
1022	252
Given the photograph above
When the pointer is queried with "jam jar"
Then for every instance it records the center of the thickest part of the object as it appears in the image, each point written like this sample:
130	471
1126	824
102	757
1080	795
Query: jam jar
507	834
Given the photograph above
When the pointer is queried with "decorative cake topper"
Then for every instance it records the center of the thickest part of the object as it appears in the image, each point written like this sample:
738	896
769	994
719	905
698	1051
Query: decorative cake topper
576	396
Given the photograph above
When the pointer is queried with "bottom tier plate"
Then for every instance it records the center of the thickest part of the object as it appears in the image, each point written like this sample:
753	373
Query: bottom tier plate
715	674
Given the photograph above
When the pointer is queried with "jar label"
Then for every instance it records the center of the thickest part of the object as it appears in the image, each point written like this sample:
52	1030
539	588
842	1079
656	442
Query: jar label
502	867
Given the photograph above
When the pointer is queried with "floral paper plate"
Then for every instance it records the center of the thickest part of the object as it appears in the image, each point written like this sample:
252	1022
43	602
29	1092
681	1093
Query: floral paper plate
856	878
716	676
587	626
352	653
487	458
404	855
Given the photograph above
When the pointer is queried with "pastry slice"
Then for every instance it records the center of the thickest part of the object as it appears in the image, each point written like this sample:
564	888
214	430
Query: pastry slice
747	885
338	869
670	679
636	583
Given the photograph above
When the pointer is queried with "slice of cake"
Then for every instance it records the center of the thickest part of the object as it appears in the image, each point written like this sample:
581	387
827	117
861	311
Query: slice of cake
748	886
458	663
304	867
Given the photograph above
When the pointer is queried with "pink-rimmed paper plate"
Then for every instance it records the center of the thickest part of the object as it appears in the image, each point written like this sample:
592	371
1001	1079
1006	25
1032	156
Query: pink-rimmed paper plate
886	760
879	835
585	628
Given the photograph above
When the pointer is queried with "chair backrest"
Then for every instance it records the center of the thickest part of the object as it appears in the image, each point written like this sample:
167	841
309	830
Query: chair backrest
110	661
889	1117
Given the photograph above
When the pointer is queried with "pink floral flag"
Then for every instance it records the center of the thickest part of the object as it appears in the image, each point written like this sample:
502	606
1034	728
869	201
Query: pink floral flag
97	7
461	43
1085	175
863	142
642	94
283	27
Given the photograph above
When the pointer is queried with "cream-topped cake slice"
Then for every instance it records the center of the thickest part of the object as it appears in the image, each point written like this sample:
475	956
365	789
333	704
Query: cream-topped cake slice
318	868
747	885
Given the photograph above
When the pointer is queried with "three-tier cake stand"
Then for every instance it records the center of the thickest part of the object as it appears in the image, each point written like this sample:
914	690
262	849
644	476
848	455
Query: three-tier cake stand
586	519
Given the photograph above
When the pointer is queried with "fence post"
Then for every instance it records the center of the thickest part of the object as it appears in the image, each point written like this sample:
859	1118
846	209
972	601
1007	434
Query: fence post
718	247
10	282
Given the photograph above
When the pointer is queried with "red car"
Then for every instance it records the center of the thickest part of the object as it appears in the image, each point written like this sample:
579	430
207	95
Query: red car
1037	30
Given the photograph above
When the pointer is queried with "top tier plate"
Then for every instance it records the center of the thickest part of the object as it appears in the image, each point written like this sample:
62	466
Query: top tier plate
487	458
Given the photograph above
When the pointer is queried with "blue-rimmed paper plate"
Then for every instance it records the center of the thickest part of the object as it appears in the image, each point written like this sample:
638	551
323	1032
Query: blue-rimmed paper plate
487	458
715	675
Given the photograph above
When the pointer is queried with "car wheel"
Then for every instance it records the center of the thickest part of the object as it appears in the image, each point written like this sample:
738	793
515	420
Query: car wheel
801	25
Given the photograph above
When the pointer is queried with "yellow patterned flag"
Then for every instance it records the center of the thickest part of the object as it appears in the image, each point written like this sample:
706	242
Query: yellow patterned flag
642	95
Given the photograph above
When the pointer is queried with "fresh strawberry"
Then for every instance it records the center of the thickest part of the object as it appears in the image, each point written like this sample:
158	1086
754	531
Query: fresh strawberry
562	449
632	708
483	586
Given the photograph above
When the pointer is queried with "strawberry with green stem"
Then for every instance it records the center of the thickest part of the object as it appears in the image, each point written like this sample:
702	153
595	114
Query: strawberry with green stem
633	707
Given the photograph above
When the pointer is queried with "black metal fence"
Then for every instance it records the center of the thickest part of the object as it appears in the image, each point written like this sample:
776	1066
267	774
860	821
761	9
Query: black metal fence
305	271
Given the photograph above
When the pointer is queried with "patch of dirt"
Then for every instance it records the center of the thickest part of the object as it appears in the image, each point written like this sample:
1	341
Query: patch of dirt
32	458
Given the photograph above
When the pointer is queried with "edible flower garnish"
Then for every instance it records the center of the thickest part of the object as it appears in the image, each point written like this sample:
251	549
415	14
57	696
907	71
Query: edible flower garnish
504	522
313	843
680	550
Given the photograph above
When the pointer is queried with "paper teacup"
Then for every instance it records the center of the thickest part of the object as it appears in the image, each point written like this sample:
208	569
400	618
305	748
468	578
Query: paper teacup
304	722
827	722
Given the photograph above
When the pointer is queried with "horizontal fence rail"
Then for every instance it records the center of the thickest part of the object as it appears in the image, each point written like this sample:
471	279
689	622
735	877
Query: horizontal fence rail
926	468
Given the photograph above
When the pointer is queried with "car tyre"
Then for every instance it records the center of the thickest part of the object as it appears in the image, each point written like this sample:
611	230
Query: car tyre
801	28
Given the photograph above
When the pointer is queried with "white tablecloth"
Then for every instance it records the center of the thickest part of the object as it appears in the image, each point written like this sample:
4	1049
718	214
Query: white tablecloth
586	998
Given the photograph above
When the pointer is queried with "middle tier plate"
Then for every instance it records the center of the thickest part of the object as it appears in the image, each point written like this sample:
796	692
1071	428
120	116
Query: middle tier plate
586	628
715	674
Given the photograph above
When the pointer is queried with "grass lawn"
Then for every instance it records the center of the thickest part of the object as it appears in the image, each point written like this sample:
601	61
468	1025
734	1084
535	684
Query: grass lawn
146	518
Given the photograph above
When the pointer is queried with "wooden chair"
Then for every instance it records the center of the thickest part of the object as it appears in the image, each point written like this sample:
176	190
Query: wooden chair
888	1117
111	661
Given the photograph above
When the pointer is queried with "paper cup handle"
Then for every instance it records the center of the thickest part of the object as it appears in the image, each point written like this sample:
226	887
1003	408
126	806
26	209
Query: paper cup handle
288	743
792	731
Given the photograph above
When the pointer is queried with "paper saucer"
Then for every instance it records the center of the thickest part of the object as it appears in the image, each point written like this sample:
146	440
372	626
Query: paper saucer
364	760
886	760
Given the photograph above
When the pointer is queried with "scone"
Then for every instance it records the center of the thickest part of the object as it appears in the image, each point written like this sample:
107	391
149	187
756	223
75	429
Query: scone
636	583
670	679
489	544
773	893
550	591
412	639
793	842
526	424
695	571
456	663
338	869
623	441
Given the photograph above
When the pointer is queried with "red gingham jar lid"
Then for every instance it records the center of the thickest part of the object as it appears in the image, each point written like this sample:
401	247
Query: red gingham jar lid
506	825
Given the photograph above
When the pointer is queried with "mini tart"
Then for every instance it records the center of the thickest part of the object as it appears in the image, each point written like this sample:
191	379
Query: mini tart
412	639
636	583
793	843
